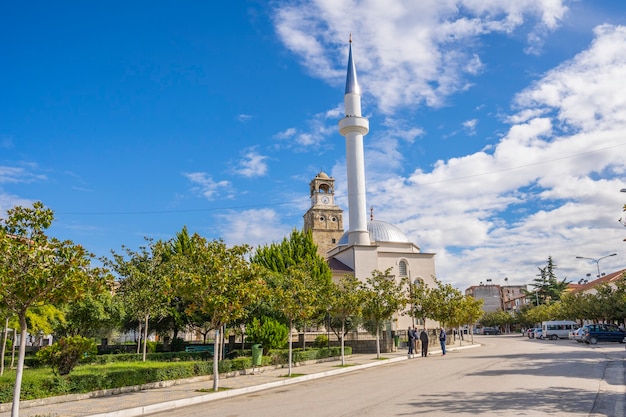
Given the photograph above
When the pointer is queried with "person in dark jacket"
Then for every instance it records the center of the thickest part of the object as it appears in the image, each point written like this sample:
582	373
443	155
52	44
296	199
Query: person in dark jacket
411	335
424	342
442	340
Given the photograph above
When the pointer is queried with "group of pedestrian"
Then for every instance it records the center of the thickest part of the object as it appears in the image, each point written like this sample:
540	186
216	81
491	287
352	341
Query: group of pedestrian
423	338
413	337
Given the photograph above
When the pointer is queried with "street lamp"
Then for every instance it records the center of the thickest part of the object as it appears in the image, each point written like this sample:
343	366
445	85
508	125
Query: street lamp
597	261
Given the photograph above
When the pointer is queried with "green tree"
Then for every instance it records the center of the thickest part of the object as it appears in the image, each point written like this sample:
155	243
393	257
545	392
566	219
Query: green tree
447	300
41	319
145	285
470	310
94	315
611	301
297	278
295	295
345	301
36	269
547	287
270	333
297	249
491	319
176	317
383	298
541	313
219	282
496	319
64	355
421	301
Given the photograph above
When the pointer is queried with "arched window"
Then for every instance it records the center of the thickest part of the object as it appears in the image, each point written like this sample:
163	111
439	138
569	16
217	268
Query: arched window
402	268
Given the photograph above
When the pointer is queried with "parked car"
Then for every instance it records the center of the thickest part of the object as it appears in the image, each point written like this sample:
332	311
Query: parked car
594	333
538	333
491	330
578	334
533	333
529	332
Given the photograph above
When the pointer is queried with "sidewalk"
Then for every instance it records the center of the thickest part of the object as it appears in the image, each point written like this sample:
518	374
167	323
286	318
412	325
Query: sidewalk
183	393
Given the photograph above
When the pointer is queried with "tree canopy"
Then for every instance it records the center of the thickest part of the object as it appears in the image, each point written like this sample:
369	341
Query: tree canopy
36	270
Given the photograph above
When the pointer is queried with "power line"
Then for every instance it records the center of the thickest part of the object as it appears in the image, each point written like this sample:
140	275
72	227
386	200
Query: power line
253	206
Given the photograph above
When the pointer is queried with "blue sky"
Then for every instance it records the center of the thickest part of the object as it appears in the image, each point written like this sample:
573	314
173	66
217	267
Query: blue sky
496	128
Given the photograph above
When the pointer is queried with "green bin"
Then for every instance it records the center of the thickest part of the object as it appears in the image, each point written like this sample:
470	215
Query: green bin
257	355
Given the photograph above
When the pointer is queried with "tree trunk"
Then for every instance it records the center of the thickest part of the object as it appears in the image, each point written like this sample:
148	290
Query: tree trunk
216	369
377	342
223	344
17	389
139	339
290	345
145	338
13	349
4	345
343	357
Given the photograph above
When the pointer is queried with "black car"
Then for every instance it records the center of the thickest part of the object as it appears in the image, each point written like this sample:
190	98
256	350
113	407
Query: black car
491	330
594	333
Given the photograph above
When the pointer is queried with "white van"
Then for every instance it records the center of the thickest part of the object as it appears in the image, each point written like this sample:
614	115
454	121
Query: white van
558	329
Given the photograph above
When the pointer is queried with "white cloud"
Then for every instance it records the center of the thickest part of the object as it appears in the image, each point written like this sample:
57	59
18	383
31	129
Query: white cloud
318	128
549	187
409	53
16	175
254	227
243	118
8	201
252	164
470	126
207	187
286	134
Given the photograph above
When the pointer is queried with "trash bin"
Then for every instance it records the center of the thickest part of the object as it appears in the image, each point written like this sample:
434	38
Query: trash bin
257	355
396	341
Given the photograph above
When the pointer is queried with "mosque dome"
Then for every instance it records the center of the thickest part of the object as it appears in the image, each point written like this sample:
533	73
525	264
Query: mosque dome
380	232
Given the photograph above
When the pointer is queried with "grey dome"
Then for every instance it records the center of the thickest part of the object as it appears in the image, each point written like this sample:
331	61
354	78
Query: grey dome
380	232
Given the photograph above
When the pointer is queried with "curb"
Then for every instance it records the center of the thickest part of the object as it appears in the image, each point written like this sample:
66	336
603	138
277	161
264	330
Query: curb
172	405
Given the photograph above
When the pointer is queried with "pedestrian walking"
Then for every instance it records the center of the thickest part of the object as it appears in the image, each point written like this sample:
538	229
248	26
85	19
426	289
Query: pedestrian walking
424	343
442	341
411	335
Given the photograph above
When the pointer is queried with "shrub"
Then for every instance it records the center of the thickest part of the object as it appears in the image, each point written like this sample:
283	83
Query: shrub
151	346
268	332
177	345
64	355
321	341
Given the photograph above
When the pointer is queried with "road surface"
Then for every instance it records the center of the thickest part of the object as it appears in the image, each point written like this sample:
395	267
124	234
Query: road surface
507	376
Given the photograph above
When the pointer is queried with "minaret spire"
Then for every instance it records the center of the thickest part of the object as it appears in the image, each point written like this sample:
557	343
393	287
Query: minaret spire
353	127
352	86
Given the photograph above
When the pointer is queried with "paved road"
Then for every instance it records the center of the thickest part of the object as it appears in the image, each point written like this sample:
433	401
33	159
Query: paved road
508	376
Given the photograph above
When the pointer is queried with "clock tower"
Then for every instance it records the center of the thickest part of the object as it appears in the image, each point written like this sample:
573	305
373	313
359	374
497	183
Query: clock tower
324	219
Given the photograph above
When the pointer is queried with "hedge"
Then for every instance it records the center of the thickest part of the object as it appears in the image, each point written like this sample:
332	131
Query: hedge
105	373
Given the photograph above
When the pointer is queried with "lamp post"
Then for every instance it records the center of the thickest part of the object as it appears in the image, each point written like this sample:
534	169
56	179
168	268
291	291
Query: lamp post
597	261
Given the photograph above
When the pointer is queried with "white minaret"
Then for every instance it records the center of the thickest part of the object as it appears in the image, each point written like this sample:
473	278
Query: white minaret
353	127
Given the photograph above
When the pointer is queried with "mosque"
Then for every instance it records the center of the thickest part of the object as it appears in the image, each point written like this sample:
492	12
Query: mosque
368	245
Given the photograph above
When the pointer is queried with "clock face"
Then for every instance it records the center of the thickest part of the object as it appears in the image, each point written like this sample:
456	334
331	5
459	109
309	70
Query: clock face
325	200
